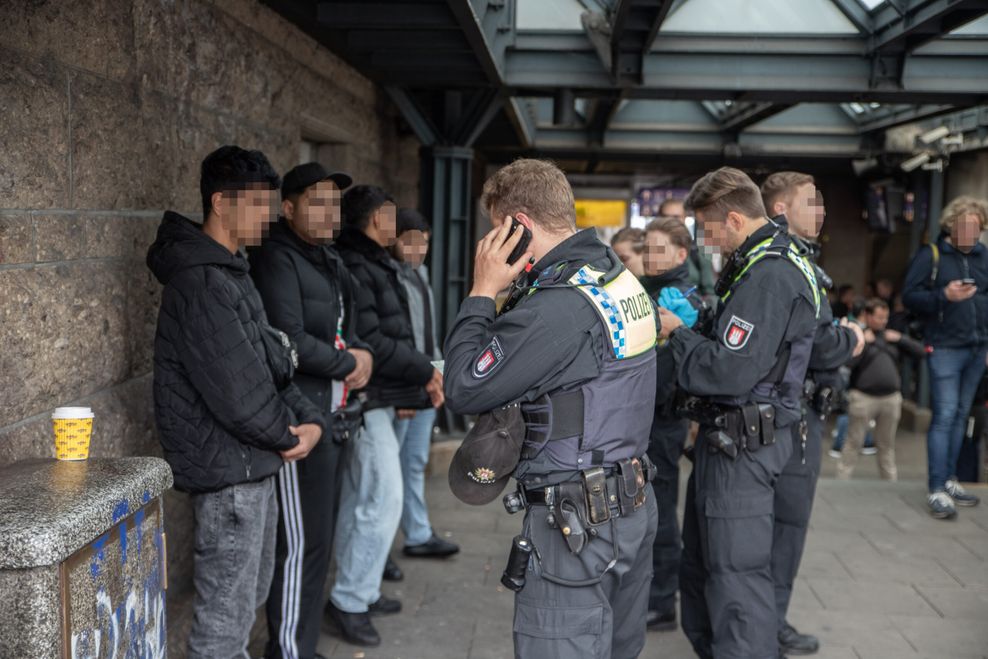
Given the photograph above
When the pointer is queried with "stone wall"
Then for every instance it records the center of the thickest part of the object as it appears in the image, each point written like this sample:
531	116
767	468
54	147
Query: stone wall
107	108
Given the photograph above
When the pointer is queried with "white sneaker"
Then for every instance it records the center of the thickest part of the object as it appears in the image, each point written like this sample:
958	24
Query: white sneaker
869	450
941	505
957	493
834	453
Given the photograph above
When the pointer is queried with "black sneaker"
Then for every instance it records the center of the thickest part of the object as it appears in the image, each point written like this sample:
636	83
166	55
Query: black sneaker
436	547
960	497
384	606
794	643
354	628
661	621
941	505
392	572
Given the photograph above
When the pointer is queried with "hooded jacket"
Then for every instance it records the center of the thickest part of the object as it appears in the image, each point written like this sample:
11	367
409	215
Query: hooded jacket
221	421
949	324
400	371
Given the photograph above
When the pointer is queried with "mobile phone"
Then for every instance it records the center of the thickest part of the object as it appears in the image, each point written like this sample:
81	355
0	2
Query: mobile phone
522	246
969	282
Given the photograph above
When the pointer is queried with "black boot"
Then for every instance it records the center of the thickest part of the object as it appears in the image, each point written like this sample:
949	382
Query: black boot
661	621
354	628
392	572
435	547
794	643
384	606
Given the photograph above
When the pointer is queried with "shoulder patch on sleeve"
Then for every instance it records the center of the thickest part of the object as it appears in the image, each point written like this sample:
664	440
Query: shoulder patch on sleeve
489	359
737	333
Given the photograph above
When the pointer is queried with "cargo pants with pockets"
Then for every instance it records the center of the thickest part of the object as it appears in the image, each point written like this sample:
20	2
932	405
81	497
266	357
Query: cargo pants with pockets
726	589
597	621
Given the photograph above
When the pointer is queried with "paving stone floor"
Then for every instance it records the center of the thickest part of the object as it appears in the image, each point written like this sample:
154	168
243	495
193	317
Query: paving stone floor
880	578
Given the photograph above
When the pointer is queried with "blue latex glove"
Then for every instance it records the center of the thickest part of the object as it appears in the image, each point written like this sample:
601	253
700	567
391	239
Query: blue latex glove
672	299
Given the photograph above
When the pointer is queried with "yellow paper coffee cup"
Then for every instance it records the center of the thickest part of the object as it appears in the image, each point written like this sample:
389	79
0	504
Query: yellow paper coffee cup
73	430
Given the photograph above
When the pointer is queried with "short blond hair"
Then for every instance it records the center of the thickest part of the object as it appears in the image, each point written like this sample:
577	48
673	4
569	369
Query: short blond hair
781	186
961	206
535	187
724	190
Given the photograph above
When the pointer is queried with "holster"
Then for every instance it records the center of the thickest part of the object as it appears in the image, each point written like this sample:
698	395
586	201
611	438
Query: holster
594	483
570	512
631	485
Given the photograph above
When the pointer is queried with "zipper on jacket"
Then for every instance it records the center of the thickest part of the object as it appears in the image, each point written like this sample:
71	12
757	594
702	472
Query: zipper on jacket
246	458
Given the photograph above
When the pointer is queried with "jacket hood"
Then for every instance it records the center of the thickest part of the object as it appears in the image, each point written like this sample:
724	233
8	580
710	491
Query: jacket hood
182	244
947	247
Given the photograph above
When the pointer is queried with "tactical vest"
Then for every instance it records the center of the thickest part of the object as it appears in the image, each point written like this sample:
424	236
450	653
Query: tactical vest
606	419
783	386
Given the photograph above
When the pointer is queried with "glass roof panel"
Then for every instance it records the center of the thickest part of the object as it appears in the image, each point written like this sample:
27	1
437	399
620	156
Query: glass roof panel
759	17
562	15
977	27
871	4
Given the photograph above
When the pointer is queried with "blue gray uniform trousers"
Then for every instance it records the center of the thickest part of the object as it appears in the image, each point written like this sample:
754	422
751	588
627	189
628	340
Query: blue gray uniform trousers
665	447
793	505
601	621
726	589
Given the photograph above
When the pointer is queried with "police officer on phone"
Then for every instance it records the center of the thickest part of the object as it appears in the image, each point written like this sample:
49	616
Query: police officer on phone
746	384
794	202
571	356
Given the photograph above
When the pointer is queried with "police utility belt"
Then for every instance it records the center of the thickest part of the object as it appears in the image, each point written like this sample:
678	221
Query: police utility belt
731	429
576	507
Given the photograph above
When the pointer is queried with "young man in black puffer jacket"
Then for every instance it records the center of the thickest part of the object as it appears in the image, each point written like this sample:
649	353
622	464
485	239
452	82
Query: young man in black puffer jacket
309	294
371	502
226	411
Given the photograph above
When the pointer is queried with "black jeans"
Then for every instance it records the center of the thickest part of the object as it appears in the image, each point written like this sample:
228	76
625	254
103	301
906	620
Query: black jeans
665	447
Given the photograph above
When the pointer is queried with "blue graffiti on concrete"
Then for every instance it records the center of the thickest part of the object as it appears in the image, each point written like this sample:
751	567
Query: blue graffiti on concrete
135	627
99	546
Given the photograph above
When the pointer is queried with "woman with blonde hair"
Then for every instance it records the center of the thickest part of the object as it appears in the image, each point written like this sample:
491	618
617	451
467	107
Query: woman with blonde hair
947	287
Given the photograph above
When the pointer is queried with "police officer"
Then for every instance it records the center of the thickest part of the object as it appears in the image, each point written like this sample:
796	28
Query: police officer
747	382
793	199
574	344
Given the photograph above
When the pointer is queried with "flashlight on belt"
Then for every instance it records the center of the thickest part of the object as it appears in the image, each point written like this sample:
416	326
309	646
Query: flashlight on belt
514	574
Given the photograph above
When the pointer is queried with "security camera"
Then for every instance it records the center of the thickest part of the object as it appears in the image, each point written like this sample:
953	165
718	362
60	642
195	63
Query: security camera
915	162
931	136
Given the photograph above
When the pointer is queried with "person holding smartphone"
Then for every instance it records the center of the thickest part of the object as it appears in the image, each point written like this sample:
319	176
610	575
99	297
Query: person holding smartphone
947	286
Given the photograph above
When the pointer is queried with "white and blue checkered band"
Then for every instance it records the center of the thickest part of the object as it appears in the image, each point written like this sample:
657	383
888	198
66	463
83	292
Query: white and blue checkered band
611	312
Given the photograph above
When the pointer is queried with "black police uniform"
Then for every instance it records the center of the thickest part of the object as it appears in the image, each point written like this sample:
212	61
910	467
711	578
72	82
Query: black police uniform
749	380
794	493
665	448
586	586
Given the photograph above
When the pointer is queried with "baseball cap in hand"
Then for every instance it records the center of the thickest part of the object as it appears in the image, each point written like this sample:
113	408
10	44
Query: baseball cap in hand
302	176
488	456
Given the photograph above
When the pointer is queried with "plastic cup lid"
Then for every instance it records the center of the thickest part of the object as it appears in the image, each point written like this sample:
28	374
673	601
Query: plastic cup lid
72	413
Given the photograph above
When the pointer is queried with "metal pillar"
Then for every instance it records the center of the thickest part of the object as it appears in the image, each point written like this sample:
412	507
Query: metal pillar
932	231
445	200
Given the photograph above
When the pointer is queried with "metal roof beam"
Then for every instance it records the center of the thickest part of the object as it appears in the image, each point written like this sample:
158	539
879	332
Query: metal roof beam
855	12
749	114
903	28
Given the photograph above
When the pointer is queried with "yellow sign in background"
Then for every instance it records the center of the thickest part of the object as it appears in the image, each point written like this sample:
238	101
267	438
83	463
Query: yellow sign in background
601	212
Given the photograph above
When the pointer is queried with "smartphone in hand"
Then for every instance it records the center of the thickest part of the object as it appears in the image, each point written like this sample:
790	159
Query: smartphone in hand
522	246
969	282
